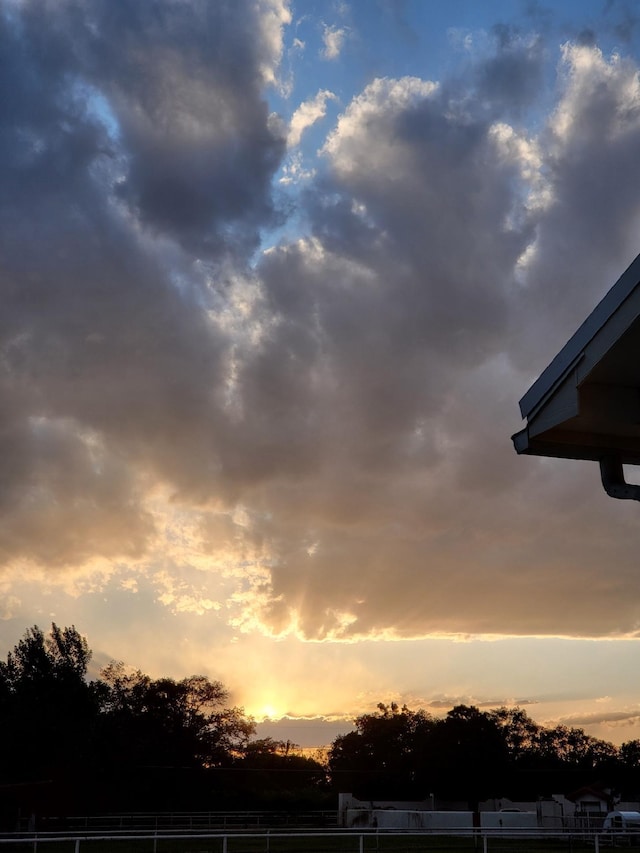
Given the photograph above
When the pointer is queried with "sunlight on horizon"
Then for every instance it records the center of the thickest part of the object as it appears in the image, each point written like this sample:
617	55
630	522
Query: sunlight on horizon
269	305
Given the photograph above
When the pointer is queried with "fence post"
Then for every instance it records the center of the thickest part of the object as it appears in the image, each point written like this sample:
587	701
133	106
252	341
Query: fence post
362	844
596	840
224	844
484	843
77	845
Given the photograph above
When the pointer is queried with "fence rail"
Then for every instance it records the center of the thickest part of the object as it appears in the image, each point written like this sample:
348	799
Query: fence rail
510	840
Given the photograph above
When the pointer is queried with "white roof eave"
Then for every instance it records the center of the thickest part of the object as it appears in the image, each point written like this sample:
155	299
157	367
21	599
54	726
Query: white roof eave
575	348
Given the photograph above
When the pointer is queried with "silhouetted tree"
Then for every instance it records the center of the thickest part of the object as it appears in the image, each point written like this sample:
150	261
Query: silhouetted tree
128	741
629	753
122	741
46	704
472	755
386	754
468	755
275	774
166	722
47	712
521	734
161	735
629	772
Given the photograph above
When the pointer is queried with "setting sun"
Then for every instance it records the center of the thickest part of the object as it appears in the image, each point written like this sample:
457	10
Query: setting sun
273	284
268	712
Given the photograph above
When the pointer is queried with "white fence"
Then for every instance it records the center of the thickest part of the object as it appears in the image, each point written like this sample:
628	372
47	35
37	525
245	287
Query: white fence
345	841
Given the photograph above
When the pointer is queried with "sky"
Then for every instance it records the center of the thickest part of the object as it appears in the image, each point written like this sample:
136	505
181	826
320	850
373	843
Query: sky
274	276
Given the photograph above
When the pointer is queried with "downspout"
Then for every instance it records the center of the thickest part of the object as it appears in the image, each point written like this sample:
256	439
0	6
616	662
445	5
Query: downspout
614	482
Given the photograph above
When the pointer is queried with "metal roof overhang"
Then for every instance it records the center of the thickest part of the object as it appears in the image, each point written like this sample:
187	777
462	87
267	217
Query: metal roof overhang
586	404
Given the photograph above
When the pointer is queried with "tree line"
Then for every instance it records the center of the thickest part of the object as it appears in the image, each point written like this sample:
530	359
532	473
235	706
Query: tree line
128	742
471	755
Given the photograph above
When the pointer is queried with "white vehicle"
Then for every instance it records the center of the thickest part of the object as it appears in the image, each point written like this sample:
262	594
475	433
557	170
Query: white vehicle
622	824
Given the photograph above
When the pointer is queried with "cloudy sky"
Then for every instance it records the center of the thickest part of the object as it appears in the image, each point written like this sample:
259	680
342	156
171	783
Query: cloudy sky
274	276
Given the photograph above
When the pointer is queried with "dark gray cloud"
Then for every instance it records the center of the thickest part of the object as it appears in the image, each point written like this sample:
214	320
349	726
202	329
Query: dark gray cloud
337	417
64	500
512	78
611	717
128	133
182	83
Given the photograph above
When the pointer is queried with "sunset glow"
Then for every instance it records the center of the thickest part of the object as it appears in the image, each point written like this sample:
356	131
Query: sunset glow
268	712
274	277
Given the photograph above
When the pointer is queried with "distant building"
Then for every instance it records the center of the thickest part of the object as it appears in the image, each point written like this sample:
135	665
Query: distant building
584	809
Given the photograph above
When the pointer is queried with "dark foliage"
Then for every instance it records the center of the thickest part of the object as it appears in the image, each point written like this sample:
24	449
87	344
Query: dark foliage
470	755
129	742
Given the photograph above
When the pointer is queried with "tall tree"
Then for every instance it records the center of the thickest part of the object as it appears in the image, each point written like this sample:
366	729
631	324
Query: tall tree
472	755
47	706
630	754
521	734
161	735
385	755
